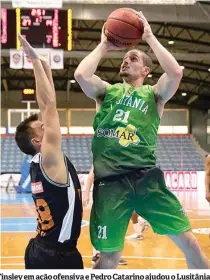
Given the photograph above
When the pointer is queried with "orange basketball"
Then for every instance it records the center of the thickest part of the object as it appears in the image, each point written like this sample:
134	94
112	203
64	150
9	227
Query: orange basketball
123	28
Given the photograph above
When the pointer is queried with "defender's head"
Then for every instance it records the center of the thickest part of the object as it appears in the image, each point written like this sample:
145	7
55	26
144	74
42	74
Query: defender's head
136	64
29	134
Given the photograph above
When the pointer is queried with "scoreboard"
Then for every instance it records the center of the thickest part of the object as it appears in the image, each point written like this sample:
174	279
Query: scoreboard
43	28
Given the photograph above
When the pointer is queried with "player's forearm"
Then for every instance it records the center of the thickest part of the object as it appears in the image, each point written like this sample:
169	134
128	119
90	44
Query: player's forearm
88	185
44	93
48	71
89	181
89	64
165	58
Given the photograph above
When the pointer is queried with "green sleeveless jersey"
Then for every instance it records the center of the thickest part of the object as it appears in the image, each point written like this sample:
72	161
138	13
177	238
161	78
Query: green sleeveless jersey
125	129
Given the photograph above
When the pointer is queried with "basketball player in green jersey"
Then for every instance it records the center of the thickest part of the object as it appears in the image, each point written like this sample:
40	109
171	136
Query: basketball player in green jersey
124	143
207	177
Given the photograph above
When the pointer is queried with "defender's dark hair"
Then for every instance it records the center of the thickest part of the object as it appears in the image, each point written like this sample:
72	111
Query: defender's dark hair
24	134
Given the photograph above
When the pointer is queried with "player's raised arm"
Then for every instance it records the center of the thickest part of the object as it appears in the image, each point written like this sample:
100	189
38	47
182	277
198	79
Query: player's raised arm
47	70
169	82
91	84
50	145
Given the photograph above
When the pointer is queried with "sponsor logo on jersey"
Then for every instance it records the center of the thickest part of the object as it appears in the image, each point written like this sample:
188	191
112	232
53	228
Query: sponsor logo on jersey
126	135
37	187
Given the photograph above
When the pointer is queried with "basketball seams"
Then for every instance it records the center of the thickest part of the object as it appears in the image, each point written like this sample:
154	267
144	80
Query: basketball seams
121	36
117	19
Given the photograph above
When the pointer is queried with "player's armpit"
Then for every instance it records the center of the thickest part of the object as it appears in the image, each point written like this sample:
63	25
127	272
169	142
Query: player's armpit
54	165
53	162
166	87
52	155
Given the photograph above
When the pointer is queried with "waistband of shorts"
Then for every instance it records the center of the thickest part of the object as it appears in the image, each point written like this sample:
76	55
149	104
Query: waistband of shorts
58	246
152	172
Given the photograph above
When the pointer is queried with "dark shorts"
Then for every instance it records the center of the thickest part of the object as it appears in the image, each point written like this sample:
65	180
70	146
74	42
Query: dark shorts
143	191
39	255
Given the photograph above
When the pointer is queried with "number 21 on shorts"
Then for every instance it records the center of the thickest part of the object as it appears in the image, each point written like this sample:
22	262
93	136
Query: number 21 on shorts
102	232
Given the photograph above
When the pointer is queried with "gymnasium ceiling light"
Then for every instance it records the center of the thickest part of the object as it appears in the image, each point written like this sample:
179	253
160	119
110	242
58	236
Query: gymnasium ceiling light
170	42
72	81
149	76
184	94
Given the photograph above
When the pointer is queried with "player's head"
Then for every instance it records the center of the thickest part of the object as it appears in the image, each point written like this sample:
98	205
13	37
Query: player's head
29	134
136	64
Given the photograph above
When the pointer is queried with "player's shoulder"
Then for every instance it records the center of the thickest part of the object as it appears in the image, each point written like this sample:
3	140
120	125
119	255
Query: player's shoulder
113	89
116	85
148	87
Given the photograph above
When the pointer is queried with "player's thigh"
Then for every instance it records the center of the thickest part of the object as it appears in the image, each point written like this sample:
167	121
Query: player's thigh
160	207
110	215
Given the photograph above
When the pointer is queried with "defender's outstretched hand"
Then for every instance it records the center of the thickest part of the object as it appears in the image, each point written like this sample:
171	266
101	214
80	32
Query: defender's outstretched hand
27	48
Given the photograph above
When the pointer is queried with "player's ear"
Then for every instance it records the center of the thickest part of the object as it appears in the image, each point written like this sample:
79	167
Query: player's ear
146	70
36	142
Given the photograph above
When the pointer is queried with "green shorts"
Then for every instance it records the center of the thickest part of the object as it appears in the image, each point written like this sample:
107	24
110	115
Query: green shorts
143	191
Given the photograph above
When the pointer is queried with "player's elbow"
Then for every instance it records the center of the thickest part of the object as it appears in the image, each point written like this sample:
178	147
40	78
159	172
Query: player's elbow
50	104
49	109
178	73
78	75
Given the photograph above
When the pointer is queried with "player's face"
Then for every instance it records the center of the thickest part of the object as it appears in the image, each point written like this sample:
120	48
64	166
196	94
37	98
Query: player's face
132	67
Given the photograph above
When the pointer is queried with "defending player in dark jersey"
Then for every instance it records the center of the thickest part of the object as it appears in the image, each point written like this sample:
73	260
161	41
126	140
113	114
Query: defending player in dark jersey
55	186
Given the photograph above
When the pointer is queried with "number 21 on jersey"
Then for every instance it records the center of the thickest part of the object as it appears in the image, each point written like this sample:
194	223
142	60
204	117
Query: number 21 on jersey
121	115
